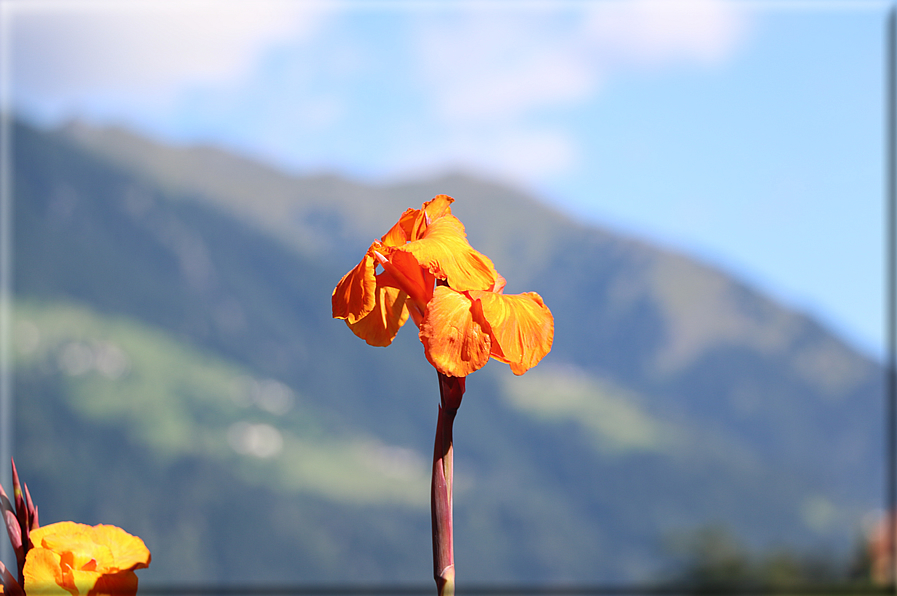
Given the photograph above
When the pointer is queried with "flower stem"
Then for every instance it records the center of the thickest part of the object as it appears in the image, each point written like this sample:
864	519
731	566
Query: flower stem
451	390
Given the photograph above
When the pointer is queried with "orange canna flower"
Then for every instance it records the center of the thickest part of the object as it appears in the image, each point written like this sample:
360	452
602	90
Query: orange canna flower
72	559
453	293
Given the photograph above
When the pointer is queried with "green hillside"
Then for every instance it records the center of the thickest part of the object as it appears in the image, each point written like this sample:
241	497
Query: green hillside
175	402
178	373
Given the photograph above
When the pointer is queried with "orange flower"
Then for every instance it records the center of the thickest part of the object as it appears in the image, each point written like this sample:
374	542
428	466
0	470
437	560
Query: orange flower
431	274
74	559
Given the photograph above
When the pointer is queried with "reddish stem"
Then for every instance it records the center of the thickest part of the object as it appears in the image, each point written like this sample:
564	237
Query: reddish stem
451	390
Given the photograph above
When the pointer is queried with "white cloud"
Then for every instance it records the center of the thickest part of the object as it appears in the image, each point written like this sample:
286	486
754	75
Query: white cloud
492	70
483	64
657	32
135	49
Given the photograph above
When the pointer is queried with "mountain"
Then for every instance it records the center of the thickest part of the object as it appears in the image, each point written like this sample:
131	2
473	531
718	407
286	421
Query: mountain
178	373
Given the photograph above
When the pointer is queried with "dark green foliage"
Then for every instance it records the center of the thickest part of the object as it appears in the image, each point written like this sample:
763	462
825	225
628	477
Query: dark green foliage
710	560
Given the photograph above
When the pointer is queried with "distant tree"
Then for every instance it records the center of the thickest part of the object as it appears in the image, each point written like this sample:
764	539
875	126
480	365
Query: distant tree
711	559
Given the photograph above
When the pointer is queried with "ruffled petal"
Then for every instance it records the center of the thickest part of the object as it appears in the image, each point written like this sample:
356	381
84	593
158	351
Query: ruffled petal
452	331
380	326
63	528
521	327
353	297
445	252
438	207
400	233
43	573
128	551
66	537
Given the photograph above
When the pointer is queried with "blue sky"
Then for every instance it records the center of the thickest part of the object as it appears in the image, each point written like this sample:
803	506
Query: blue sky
748	134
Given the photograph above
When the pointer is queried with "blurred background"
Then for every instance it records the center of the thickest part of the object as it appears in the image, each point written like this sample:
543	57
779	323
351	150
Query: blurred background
696	189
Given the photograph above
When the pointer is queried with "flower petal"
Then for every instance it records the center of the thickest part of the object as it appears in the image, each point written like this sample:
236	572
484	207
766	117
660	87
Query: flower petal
438	207
400	233
380	326
445	252
404	272
499	286
452	331
83	581
521	327
128	551
75	543
353	297
43	573
60	533
123	583
69	558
